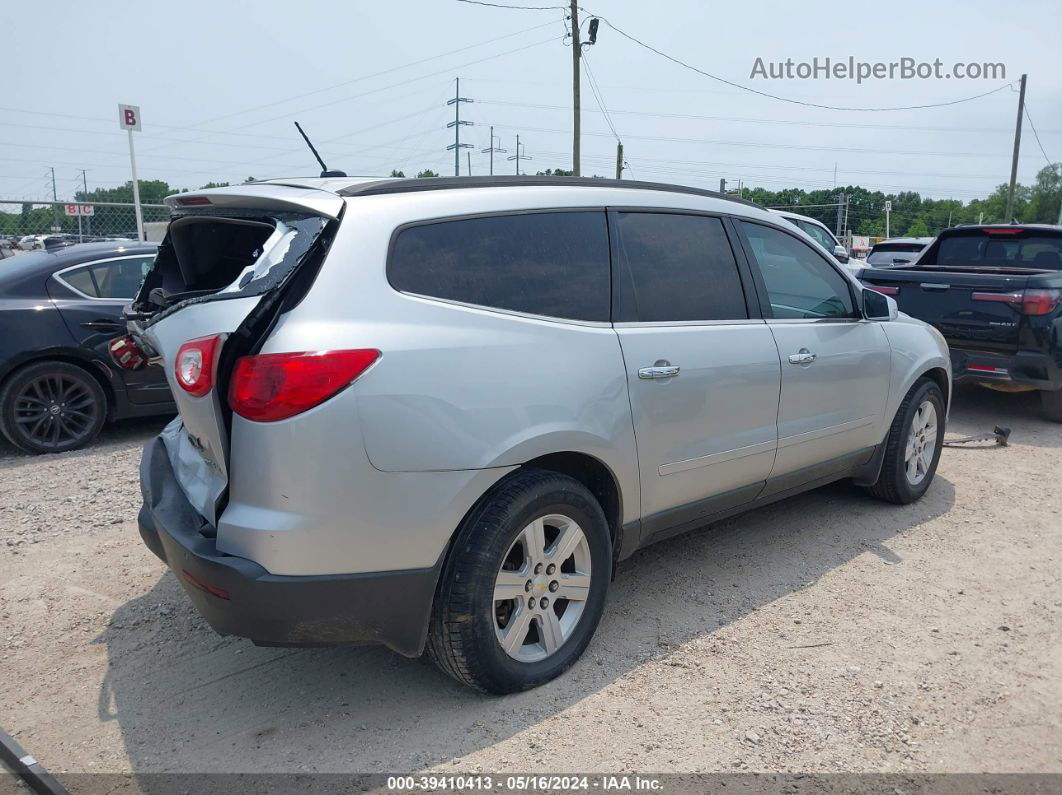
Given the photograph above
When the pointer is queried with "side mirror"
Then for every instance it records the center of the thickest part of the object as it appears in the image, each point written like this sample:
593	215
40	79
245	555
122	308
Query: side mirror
840	253
879	307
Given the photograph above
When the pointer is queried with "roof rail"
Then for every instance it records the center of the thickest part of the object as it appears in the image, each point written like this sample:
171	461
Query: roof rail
411	185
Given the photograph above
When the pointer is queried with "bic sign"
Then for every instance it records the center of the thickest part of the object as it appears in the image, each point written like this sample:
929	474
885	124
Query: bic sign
80	209
129	117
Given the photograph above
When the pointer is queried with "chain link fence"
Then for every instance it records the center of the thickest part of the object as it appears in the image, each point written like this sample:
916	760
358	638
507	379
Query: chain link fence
82	221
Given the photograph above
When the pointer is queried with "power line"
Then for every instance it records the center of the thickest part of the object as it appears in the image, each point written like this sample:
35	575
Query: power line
748	120
597	95
1037	136
723	80
731	83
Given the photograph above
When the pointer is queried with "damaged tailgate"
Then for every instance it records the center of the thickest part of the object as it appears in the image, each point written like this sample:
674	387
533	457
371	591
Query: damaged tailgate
212	294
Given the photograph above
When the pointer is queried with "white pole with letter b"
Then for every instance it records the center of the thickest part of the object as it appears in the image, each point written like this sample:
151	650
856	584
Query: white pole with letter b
129	120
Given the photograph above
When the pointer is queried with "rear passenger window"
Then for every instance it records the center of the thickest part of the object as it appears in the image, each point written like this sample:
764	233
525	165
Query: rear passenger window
675	267
554	264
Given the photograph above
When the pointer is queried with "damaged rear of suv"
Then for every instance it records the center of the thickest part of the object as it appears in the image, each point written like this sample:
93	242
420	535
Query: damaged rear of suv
435	414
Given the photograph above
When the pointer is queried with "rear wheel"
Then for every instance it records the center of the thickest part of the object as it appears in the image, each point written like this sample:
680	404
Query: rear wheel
524	588
912	448
1051	405
51	407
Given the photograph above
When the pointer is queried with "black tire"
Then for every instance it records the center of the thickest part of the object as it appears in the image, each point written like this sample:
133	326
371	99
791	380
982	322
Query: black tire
893	483
1051	405
51	407
462	638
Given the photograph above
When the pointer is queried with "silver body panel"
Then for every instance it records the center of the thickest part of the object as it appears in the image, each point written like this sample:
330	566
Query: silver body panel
379	477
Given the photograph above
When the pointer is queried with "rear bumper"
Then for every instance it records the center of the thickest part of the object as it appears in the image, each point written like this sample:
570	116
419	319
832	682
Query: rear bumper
239	597
1023	368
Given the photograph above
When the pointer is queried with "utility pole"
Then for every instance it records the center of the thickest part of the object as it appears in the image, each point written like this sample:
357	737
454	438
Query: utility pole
457	123
518	157
840	209
55	207
722	186
576	54
84	184
619	160
1014	159
469	155
492	149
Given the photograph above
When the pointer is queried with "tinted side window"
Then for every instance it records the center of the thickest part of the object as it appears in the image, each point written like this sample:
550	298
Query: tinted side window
554	264
115	279
676	267
81	280
121	278
800	282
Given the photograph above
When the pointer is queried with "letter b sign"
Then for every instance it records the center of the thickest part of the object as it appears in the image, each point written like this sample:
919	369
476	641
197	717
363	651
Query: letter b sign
129	117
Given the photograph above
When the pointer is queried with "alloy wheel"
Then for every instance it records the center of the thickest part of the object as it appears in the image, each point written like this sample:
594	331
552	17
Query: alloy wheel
541	589
56	410
921	443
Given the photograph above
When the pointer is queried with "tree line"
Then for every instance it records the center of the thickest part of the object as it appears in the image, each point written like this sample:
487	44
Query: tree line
912	214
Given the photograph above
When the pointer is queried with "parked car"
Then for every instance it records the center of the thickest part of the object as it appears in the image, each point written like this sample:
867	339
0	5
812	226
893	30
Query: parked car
31	242
995	293
819	232
436	413
897	251
59	313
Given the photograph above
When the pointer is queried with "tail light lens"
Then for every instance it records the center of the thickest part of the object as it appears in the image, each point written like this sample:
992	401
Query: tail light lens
1031	302
275	386
1040	302
194	367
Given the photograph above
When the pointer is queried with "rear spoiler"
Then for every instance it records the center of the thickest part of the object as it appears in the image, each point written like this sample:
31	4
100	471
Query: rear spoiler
263	196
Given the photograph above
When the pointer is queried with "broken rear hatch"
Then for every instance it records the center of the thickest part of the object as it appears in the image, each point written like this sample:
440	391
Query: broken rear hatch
215	289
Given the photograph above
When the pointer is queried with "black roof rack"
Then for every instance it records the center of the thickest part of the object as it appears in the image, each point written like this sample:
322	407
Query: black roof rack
410	185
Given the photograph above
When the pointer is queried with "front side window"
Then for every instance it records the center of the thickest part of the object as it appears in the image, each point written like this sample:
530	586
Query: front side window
675	267
552	263
800	282
115	279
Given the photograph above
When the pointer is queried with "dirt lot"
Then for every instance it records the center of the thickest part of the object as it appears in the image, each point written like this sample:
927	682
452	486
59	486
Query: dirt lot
826	633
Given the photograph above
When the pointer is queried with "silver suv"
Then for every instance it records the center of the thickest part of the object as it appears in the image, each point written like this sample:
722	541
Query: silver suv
434	414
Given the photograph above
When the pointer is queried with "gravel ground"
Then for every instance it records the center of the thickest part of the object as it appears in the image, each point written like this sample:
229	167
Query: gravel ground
826	633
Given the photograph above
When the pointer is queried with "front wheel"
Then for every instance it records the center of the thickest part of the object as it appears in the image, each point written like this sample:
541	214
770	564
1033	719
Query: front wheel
912	448
524	586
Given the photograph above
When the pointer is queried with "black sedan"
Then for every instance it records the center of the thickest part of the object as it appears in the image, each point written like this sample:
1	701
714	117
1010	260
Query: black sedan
60	315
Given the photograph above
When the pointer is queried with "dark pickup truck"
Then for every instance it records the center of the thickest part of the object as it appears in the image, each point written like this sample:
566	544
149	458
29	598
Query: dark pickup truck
995	293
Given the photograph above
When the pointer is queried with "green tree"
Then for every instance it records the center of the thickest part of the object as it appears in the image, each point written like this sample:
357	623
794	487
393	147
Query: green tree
396	173
556	172
918	228
427	173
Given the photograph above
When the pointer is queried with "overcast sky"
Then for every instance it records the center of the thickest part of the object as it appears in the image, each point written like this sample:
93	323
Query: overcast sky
220	83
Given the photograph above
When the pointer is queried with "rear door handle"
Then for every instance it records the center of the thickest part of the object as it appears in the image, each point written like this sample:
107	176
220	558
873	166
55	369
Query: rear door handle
104	324
658	371
804	357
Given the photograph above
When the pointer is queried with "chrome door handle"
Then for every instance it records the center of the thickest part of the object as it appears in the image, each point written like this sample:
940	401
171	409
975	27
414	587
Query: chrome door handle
804	357
658	371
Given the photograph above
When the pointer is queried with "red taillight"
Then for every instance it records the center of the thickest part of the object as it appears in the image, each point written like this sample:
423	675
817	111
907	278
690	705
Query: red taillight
192	201
1001	230
999	298
194	366
1031	302
1040	302
275	386
879	288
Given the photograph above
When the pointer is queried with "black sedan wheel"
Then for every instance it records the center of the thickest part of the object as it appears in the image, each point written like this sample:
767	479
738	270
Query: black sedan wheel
51	407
